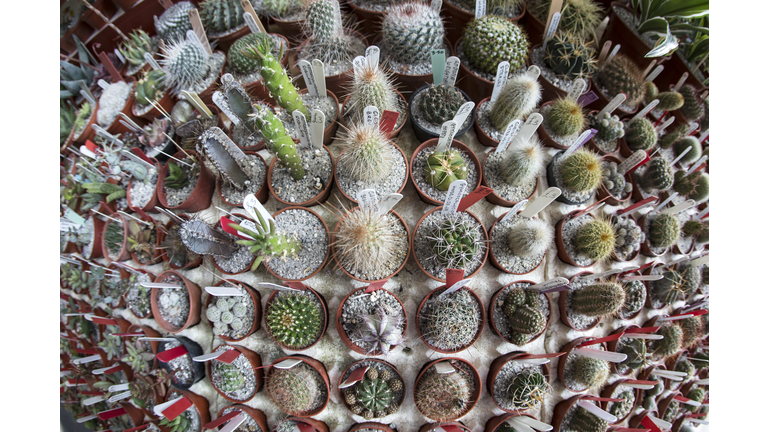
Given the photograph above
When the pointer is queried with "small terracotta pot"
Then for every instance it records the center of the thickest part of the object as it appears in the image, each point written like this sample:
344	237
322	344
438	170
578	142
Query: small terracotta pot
201	195
422	134
337	84
319	198
88	132
492	256
370	425
553	182
455	144
193	350
123	253
224	42
466	366
602	191
665	402
492	304
98	230
166	102
636	48
255	298
253	359
608	391
150	205
318	425
292	30
493	198
562	408
561	361
343	334
200	403
410	83
384	363
562	253
494	370
320	369
323	310
564	309
395	131
479	327
327	252
494	423
253	413
353	199
193	291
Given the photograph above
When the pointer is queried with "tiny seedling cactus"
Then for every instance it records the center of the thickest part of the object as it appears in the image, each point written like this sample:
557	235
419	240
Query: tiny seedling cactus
275	77
517	99
658	176
595	239
669	101
294	320
528	389
523	161
278	141
693	107
221	16
294	390
565	117
582	171
600	299
174	22
664	231
366	243
685	143
410	31
590	372
640	135
134	46
442	396
177	177
635	350
685	366
440	102
267	242
445	167
530	238
609	128
621	75
450	322
368	155
672	342
568	56
694	186
671	137
492	39
456	243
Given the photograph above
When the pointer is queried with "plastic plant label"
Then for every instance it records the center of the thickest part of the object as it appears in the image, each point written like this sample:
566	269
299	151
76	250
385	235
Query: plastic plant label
356	375
250	21
436	5
703	135
448	428
86	418
502	73
553	23
479	9
108	414
613	53
550	284
252	205
540	202
438	65
358	63
372	56
643	277
660	128
302	128
366	199
159	285
680	82
173	408
87	152
685	205
371	116
199	30
655	73
452	71
632	161
687	401
452	276
447	132
519	427
648	69
234	424
103	84
610	418
599	354
455	287
577	88
587	98
375	286
93	400
207	357
103	321
702	213
388	201
613	104
637	206
663	425
221	420
692	127
129	123
530	126
535	424
533	71
700	261
286	364
309	77
228	356
603	54
580	141
317	128
639	386
509	135
609	338
668	375
463	113
644	111
88	359
666	201
513	211
318	68
277	287
73	217
601	399
690	171
171	354
453	198
119	396
473	197
220	291
444	367
388	122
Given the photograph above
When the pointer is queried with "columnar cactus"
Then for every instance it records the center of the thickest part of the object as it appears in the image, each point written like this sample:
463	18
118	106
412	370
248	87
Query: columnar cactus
689	142
565	117
275	77
582	170
278	141
201	239
219	16
241	63
664	231
590	372
609	128
442	396
694	186
293	390
456	244
568	56
134	46
174	22
440	102
595	239
320	20
111	191
669	101
492	39
523	161
236	101
658	176
327	39
530	238
528	389
280	8
600	299
368	154
641	135
185	63
410	30
445	167
294	320
517	99
372	86
693	107
621	75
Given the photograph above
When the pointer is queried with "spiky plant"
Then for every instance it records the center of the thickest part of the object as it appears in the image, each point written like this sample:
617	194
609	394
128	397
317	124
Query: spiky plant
241	63
693	330
445	167
634	298
442	397
622	75
294	390
220	16
112	191
410	30
275	77
280	8
636	354
519	97
372	86
492	39
186	64
670	288
582	170
651	91
294	320
440	103
614	181
664	231
670	344
203	240
174	22
685	366
640	135
225	156
672	136
525	319
658	176
693	106
267	242
177	177
623	408
523	161
528	389
450	322
590	372
327	39
600	299
568	56
669	101
234	100
577	16
685	143
565	117
114	237
697	394
278	141
368	154
179	424
595	239
373	395
227	377
134	46
456	243
530	238
694	186
366	243
150	87
381	332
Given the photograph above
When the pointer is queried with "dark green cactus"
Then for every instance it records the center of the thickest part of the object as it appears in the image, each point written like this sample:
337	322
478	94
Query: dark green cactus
410	31
621	75
636	354
600	299
374	395
672	342
227	377
327	39
568	56
694	186
595	239
672	136
669	289
590	372
585	421
528	389
241	63
280	8
294	390
658	176
635	294
134	46
492	39
111	191
697	394
669	101
685	143
219	16
440	103
622	409
150	87
685	365
275	77
278	141
294	320
641	135
456	244
527	320
177	177
582	170
443	168
651	92
174	22
664	231
516	100
566	117
700	359
320	19
693	106
185	63
693	228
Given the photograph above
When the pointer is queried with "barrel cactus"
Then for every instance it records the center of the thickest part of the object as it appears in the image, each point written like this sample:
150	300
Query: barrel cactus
440	102
530	238
641	135
663	231
621	75
411	30
595	239
565	117
516	100
582	170
672	342
568	56
456	243
492	39
185	63
651	91
694	186
150	87
327	39
685	143
174	22
590	372
443	168
221	16
693	106
372	86
658	176
598	300
609	128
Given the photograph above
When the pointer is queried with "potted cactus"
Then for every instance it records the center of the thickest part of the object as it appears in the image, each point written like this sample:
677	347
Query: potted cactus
564	120
674	286
620	75
567	56
192	419
434	104
513	174
662	231
584	241
233	99
614	186
694	186
152	96
587	303
519	315
223	21
379	393
285	16
255	420
640	134
580	17
567	415
432	171
578	175
461	12
372	324
694	107
651	178
245	71
233	318
519	244
447	397
516	386
228	256
452	322
133	48
580	373
239	380
519	98
185	183
175	309
373	86
303	389
189	67
609	131
173	24
296	320
115	99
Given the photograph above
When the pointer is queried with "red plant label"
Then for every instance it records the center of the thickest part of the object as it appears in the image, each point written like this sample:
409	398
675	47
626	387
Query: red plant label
648	423
142	155
304	427
601	399
643	330
91	146
610	338
388	121
375	286
221	420
623	429
104	321
296	285
176	409
699	312
452	276
540	356
229	356
225	221
473	197
106	415
697	415
356	375
681	398
171	354
642	382
112	370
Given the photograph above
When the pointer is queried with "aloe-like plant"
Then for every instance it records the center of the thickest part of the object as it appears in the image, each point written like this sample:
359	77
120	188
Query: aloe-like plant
267	243
381	331
666	18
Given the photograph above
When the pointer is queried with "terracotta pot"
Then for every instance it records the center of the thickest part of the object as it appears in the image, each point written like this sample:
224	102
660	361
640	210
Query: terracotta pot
193	291
422	134
201	195
636	421
492	256
150	205
335	252
135	414
665	402
319	198
395	131
257	90
477	88
562	408
262	195
224	42
166	102
602	191
370	425
193	350
613	345
368	21
479	327
320	369
292	30
125	5
466	366
608	391
207	95
494	370
88	132
253	359
455	144
353	199
492	321
482	137
343	334
567	349
553	182
494	423
564	310
318	425
485	255
200	403
253	413
255	298
337	84
330	131
562	253
323	311
458	18
123	254
327	253
386	364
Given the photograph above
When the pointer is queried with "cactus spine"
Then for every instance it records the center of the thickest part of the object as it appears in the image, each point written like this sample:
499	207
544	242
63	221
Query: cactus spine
219	16
582	170
293	390
685	143
523	162
600	299
530	238
177	177
636	354
517	99
567	56
442	396
440	103
241	63
185	64
411	30
225	156
365	243
174	22
134	47
294	320
651	92
528	389
456	244
267	242
595	239
492	39
658	176
443	168
693	107
590	372
634	297
641	135
275	78
609	128
150	87
694	186
278	141
371	87
672	342
198	237
565	117
368	155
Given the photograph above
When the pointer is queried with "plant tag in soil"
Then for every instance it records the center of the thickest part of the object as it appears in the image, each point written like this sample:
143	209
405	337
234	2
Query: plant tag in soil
316	132
577	88
643	278
93	358
195	100
509	135
530	126
453	275
108	414
534	71
687	401
455	287
663	203
540	202
173	410
221	420
319	69
613	104
644	111
152	62
358	63
610	418
225	221
685	205
366	199
228	356
587	98
372	55
652	76
86	418
452	71
302	128
438	65
700	261
551	285
638	385
220	101
309	77
444	368
388	201
660	128
159	285
93	400
603	54
87	152
613	53
479	9
173	353
219	291
660	424
502	73
513	211
535	424
251	22
277	287
436	5
88	97
453	198
680	82
692	127
234	424
248	8
463	113
73	217
632	161
199	30
612	357
120	396
103	84
702	213
637	206
473	197
286	364
580	141
356	375
207	357
447	132
388	122
553	23
703	135
252	205
371	116
693	168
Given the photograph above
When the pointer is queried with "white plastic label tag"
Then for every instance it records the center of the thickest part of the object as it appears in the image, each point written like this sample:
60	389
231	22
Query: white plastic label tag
455	287
444	368
366	199
371	116
319	71
447	132
388	201
453	198
317	129
372	55
302	128
451	70
644	111
652	76
613	104
540	202
631	161
479	9
577	88
502	73
309	77
220	291
509	135
463	113
513	211
252	205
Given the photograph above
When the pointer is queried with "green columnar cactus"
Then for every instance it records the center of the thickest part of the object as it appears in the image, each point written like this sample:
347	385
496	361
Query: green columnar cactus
450	322
177	177
492	39
134	47
442	396
517	99
636	354
568	56
241	63
275	77
600	299
664	231
112	191
685	143
595	239
219	16
368	155
410	30
456	244
694	186
320	20
566	117
328	41
621	75
590	372
294	320
150	87
582	170
267	243
227	378
658	176
372	86
641	135
672	342
530	238
185	64
440	102
585	421
528	389
278	141
443	168
693	107
670	138
293	390
609	128
634	298
523	161
174	22
622	409
669	101
651	92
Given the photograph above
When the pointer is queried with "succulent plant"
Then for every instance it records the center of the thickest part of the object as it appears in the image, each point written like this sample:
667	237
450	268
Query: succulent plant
293	390
621	75
382	331
150	87
595	239
137	358
112	191
456	243
671	288
600	299
623	408
220	16
177	177
368	154
688	142
565	117
82	116
580	17
174	22
445	167
663	231
641	135
582	170
278	141
203	240
634	297
609	128
134	46
697	394
651	92
505	8
613	181
700	359
365	243
524	318
636	354
492	39
693	106
240	62
440	102
111	345
280	8
670	344
275	77
658	176
669	101
180	424
228	316
649	396
530	238
66	120
227	377
442	396
410	30
671	137
154	134
267	243
568	56
70	75
294	320
528	389
517	99
685	366
225	156
450	322
327	39
143	388
185	63
590	372
694	186
372	86
523	161
373	395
